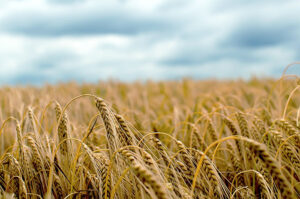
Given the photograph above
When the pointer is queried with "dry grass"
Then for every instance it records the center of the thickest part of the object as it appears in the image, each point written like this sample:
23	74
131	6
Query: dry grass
187	139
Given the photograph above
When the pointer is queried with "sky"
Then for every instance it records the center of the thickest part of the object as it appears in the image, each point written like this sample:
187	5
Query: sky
90	40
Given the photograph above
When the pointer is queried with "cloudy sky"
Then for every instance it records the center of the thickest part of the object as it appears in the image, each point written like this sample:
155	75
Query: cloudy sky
87	40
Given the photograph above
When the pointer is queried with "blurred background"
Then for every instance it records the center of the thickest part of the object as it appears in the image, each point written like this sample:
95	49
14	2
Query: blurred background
90	40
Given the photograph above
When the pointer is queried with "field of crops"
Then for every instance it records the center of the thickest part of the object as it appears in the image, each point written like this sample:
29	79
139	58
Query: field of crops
173	139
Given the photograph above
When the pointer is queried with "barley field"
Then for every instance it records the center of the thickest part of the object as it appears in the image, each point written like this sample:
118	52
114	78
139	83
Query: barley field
169	139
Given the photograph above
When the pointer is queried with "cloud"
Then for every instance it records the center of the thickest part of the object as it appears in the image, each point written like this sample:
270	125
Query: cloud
65	1
255	33
29	78
51	60
88	40
83	18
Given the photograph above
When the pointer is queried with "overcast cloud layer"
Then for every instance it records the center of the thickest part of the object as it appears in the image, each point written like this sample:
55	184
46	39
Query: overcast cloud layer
87	40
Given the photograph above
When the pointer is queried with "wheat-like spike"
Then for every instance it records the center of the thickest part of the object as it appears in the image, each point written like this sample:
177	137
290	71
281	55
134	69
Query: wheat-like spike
101	165
90	183
286	126
295	125
211	130
2	177
262	170
264	191
128	154
194	143
36	158
237	168
260	126
26	167
147	177
173	178
57	186
31	120
242	192
58	110
105	178
38	165
186	157
187	195
47	163
14	173
94	184
181	167
62	131
125	134
266	117
212	174
161	150
242	124
198	141
231	126
287	149
22	189
131	158
19	139
171	175
274	169
289	130
25	157
149	161
108	123
194	157
236	165
47	144
121	136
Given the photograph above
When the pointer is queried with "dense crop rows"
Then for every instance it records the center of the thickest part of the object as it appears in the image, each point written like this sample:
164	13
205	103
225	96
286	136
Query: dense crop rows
187	139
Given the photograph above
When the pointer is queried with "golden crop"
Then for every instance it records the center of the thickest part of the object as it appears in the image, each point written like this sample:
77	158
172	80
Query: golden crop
175	139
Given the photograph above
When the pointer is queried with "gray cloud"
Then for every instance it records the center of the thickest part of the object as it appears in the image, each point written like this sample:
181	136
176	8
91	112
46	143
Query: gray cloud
255	34
29	78
246	35
65	1
85	25
88	40
196	56
84	18
51	60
